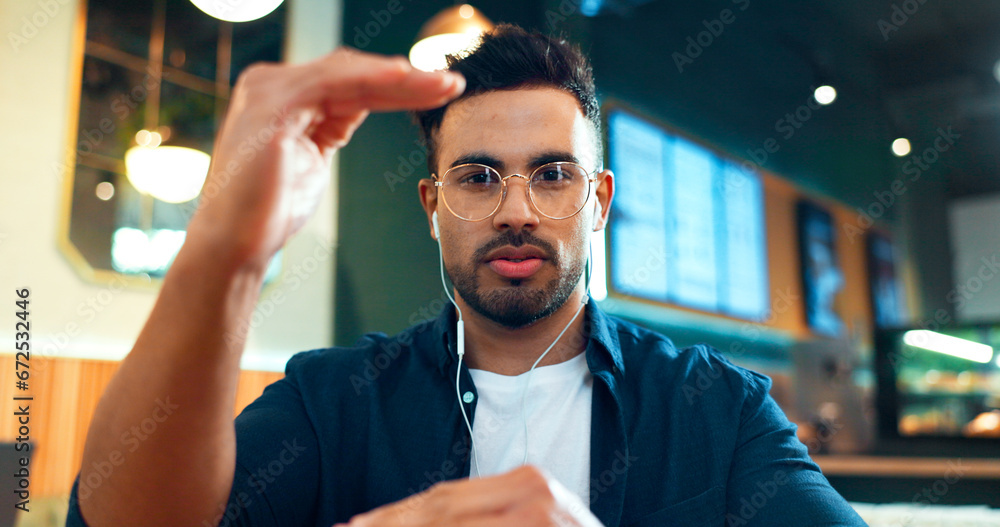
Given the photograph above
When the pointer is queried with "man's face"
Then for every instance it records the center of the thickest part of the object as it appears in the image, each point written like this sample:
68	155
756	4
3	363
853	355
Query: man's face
516	131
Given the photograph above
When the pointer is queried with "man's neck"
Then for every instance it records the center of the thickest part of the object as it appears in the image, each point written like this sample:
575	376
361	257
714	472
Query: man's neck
492	347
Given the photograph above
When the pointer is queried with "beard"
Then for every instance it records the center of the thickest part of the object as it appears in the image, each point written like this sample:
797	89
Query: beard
516	304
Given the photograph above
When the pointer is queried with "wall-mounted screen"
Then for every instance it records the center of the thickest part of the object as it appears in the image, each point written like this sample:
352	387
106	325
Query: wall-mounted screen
687	224
888	296
822	277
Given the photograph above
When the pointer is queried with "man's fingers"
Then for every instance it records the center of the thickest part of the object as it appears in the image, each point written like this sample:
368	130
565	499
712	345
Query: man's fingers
493	494
523	496
418	90
370	91
525	493
335	133
349	81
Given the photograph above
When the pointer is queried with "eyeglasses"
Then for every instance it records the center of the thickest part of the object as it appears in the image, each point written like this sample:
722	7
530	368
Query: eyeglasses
474	192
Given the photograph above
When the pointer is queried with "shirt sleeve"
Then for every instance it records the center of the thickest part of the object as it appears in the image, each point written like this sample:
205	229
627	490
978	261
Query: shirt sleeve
276	482
73	516
772	480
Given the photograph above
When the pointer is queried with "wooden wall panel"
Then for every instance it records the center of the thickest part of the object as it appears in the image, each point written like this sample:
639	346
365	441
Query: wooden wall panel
66	392
853	302
783	261
252	383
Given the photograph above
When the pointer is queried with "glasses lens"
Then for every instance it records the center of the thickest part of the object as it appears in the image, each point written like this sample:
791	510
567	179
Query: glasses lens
472	192
559	190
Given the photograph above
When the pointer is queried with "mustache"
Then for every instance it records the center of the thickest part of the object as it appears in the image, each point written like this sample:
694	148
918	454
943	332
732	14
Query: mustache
518	239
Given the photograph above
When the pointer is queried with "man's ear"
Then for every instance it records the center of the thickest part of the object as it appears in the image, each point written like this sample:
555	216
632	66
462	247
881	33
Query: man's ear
605	193
428	200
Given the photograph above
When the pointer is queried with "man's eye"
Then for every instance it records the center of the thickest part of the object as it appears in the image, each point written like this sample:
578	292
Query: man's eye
478	179
553	175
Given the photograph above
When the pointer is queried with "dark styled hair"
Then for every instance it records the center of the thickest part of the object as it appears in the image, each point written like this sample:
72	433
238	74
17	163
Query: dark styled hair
509	58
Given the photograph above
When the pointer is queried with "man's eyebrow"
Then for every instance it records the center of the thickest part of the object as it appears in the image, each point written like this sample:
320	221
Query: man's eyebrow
552	157
481	158
484	158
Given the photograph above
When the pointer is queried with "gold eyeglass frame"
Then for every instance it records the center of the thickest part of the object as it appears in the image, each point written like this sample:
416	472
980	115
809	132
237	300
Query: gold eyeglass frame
591	178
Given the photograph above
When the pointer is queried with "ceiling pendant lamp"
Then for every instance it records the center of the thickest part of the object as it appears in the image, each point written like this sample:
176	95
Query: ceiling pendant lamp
174	173
237	10
453	30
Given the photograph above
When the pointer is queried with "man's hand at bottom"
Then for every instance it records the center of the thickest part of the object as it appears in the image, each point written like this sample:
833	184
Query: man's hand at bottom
525	496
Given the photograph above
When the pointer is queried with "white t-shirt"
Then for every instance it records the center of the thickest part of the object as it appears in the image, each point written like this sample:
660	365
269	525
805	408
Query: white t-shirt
557	408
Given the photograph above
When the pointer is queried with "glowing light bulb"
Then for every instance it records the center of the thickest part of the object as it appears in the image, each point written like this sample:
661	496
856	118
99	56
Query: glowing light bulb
825	95
901	146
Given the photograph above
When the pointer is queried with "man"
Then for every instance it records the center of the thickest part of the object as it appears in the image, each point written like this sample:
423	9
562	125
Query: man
615	417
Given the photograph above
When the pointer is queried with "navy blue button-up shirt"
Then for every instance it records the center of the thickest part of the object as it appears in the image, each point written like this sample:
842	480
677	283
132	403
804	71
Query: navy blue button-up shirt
678	437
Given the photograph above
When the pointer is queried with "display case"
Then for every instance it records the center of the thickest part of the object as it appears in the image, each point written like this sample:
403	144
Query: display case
942	384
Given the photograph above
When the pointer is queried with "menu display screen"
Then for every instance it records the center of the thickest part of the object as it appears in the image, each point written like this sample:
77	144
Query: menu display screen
687	225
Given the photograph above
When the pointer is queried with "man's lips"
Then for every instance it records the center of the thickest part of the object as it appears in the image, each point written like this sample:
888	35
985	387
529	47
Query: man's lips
516	269
520	262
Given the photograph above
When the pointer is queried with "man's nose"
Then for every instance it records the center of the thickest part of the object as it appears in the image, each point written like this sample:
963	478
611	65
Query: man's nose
516	211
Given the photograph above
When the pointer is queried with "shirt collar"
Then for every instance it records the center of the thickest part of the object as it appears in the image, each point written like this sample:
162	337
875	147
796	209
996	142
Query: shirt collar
603	349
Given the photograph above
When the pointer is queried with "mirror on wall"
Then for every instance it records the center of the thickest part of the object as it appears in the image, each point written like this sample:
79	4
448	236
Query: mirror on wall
154	82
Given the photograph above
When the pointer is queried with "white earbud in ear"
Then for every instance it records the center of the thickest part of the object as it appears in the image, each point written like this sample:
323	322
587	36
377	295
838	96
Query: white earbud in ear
598	210
437	230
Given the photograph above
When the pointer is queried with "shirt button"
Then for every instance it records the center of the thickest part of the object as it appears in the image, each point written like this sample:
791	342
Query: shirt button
468	397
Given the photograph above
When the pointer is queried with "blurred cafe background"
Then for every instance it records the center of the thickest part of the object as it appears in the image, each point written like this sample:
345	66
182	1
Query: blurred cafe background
811	187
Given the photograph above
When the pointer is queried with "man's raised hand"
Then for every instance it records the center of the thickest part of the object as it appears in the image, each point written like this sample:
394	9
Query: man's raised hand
274	151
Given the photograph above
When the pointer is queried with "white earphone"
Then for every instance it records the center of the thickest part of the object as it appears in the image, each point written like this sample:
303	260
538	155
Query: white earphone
459	337
460	341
